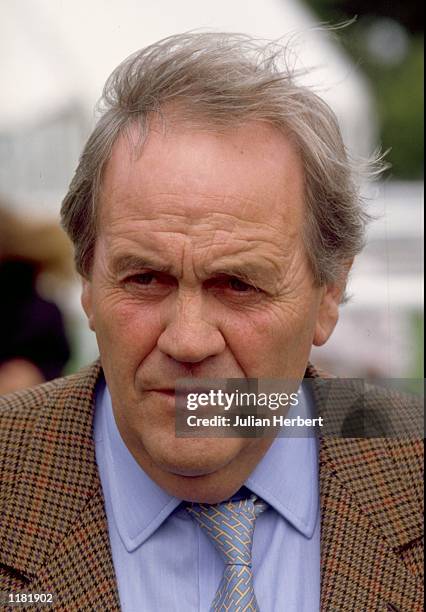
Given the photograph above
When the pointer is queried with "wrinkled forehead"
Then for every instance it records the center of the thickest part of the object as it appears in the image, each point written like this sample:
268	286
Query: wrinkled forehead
252	171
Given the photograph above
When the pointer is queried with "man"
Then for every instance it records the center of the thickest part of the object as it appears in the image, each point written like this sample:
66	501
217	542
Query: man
214	220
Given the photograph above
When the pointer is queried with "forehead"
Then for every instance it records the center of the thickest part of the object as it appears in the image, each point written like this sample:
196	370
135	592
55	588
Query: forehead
252	172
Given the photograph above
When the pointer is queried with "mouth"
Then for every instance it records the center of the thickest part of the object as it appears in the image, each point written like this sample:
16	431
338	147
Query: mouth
168	392
164	398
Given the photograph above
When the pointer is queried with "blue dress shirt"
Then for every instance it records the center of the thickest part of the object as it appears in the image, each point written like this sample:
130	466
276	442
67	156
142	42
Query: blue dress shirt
165	563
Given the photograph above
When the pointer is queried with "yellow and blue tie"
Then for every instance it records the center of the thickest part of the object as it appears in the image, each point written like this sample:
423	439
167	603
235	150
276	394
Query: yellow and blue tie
230	527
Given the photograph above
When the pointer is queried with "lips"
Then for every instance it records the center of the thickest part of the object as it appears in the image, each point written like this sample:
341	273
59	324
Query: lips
168	392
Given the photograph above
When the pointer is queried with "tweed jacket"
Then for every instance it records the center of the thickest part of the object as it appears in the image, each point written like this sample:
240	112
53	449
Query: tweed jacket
53	529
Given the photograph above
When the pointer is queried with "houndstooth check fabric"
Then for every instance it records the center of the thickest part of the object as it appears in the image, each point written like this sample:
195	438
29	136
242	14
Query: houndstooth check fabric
54	531
230	527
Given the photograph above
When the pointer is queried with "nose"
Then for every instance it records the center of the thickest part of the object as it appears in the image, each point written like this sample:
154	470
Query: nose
189	336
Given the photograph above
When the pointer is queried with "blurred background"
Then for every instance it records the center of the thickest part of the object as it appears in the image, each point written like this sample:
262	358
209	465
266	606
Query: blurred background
55	57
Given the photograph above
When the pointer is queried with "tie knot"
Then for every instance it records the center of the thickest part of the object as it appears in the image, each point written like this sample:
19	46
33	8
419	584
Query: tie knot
230	526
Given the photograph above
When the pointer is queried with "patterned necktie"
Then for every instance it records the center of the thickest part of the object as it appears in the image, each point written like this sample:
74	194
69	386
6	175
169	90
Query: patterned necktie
230	527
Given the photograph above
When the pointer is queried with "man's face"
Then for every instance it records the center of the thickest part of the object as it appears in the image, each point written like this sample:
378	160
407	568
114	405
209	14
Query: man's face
200	270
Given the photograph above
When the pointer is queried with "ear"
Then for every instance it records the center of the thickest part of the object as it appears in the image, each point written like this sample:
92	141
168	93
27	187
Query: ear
87	302
328	313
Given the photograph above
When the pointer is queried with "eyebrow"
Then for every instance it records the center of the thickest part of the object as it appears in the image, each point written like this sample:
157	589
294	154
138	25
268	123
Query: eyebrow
251	273
125	263
239	272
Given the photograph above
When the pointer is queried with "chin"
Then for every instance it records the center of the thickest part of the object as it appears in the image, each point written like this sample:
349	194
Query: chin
202	491
195	457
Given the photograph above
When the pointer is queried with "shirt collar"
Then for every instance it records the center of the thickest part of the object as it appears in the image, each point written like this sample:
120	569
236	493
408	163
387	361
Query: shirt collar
286	478
138	504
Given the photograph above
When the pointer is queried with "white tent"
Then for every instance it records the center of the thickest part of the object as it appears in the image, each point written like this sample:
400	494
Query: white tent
54	53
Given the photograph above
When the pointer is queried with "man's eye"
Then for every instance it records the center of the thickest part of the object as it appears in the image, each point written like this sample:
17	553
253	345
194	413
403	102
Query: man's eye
153	281
232	286
238	285
143	279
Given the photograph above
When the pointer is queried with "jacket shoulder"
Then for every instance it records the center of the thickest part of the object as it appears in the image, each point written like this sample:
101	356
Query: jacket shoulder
19	413
355	408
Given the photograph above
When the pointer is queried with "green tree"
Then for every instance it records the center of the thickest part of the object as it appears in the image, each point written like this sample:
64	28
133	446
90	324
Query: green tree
397	86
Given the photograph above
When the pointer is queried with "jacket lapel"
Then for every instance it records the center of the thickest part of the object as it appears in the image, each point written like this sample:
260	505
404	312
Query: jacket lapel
54	530
368	515
359	550
79	572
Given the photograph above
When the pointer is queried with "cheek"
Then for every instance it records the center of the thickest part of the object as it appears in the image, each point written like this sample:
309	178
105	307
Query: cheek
274	341
125	330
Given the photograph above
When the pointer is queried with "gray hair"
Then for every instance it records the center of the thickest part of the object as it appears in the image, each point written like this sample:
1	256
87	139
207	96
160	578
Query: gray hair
223	80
